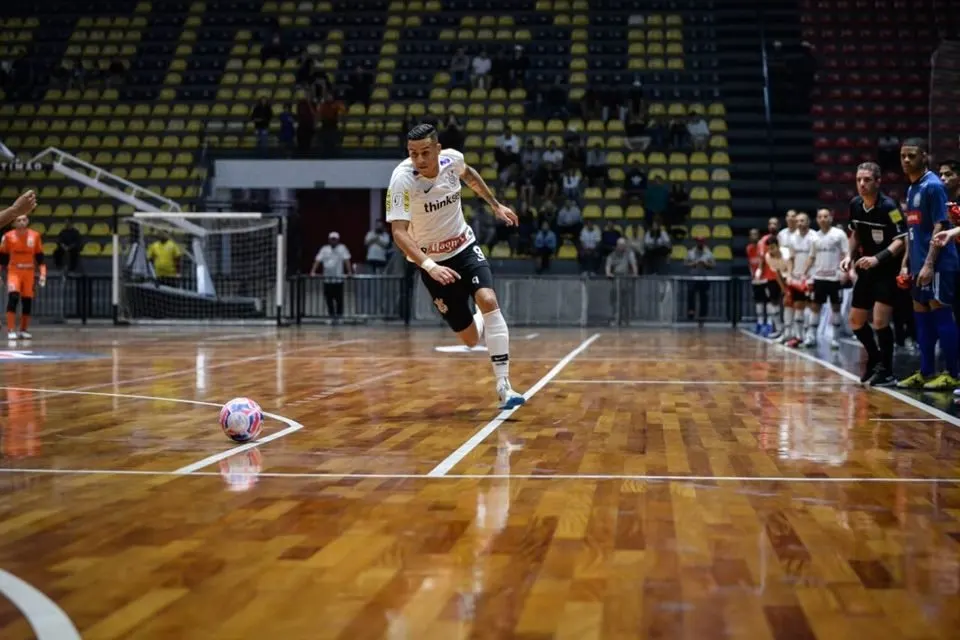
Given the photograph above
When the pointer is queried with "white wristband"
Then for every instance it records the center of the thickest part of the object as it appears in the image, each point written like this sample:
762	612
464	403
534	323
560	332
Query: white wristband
427	264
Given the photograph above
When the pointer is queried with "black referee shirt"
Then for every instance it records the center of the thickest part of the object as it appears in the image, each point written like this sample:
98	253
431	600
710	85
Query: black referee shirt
877	227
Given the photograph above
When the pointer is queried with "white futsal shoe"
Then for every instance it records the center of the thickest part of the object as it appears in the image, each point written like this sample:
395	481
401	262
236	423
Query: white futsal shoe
25	336
12	335
509	399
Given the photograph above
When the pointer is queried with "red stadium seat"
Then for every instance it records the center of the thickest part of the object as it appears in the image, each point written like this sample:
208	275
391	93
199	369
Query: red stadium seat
827	195
819	125
845	159
891	177
843	142
823	158
846	177
864	142
825	176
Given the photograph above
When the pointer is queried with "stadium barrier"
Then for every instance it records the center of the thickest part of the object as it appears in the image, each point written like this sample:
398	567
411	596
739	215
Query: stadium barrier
546	301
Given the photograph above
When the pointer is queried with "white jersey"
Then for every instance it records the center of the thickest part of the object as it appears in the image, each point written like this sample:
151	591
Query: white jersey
830	249
800	250
783	239
432	206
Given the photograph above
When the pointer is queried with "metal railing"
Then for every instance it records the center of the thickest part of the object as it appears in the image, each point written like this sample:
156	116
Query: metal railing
547	301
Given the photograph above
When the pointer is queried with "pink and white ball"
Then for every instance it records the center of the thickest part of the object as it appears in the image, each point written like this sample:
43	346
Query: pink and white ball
241	419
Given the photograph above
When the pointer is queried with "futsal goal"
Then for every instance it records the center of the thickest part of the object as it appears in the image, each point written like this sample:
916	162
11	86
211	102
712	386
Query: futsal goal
198	268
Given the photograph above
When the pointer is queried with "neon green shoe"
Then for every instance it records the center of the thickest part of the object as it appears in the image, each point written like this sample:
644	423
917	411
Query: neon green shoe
941	382
916	381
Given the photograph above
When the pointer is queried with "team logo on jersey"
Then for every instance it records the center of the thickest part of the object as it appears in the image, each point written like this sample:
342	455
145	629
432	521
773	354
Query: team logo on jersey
877	235
406	200
441	306
913	217
895	216
916	199
453	179
437	205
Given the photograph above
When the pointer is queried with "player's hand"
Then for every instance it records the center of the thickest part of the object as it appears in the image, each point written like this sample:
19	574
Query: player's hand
26	203
866	262
941	238
506	214
846	263
444	275
925	276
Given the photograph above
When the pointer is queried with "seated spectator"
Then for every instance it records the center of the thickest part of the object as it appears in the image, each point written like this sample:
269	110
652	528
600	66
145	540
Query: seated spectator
527	184
307	70
67	254
596	170
678	207
360	86
500	70
548	213
589	247
657	135
551	184
553	156
699	132
484	228
519	64
678	134
288	128
656	198
261	115
273	49
526	226
635	183
569	220
452	136
507	153
459	68
638	138
574	155
571	184
544	246
656	248
482	66
530	156
608	239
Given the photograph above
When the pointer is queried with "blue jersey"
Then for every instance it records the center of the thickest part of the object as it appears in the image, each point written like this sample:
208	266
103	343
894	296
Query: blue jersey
926	206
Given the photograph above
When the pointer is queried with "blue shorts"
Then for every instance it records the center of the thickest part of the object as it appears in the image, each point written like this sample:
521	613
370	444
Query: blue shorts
942	288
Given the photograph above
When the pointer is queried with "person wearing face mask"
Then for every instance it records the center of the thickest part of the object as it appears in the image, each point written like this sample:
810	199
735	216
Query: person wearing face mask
699	260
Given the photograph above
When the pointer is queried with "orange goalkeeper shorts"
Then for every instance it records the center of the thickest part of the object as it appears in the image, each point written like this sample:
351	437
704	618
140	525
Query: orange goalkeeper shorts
21	282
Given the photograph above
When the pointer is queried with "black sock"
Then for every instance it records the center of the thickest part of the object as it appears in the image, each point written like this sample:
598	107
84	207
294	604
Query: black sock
885	338
865	336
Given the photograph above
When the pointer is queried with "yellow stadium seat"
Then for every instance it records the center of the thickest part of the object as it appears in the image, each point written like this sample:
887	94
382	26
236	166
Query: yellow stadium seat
90	249
700	231
678	252
677	159
591	212
698	158
567	252
720	194
720	175
699	175
699	193
722	212
677	175
656	158
722	252
699	212
717	109
636	212
613	194
592	193
717	125
613	212
718	142
722	232
500	250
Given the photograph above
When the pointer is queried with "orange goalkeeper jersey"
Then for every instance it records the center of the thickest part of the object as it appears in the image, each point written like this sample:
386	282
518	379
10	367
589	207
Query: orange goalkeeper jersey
23	246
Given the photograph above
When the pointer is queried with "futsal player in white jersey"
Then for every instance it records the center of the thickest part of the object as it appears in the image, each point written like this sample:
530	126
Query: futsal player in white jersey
783	238
423	208
829	247
797	285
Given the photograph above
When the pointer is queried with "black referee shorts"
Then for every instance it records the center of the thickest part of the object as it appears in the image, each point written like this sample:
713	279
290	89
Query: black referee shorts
453	300
764	292
874	286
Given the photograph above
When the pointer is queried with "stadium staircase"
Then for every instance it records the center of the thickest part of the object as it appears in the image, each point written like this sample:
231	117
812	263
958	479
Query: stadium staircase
194	70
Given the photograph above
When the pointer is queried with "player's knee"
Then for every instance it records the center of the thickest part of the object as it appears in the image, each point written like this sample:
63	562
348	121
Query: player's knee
27	306
486	300
12	299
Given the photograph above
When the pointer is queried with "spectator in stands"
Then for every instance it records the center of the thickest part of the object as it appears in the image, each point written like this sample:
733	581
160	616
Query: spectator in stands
526	226
459	68
530	156
699	132
556	98
306	123
888	151
569	219
360	86
67	254
635	183
377	242
527	184
507	153
589	249
288	130
273	49
334	261
500	70
329	113
519	64
657	135
116	71
638	139
260	115
678	206
551	183
621	261
452	137
699	260
306	70
553	156
596	171
678	134
544	246
482	66
484	228
656	245
656	198
571	184
608	239
6	72
548	213
574	155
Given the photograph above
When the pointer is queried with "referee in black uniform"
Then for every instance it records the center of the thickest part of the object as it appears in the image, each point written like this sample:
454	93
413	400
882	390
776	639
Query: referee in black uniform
878	238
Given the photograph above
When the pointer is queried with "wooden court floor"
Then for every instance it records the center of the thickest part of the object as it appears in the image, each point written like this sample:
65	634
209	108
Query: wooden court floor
658	484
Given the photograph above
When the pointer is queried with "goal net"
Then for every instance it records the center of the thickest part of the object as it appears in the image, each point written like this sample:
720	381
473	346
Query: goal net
198	267
944	100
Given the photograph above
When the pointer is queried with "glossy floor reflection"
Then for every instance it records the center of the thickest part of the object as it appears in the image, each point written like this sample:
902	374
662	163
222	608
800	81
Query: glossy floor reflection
664	484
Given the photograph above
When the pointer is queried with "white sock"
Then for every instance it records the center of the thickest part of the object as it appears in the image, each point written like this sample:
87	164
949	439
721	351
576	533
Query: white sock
835	319
498	343
759	310
478	322
788	320
798	324
812	323
773	316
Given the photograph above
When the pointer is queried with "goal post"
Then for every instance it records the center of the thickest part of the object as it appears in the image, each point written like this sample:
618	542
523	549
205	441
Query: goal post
210	268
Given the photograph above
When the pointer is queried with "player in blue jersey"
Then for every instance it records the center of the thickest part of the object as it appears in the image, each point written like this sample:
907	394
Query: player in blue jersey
932	266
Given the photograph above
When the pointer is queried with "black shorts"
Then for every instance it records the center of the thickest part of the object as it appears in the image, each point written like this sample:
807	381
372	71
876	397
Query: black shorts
874	286
453	300
764	292
824	290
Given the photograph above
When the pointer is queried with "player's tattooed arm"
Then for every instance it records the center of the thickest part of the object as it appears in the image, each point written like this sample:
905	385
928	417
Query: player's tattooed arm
471	177
406	243
934	249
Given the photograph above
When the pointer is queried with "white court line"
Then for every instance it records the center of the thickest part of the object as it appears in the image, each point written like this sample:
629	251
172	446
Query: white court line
805	383
292	425
481	476
905	420
913	402
530	336
48	621
444	467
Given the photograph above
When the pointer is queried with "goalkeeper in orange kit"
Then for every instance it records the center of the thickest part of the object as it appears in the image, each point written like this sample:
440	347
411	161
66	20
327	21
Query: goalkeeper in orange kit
21	256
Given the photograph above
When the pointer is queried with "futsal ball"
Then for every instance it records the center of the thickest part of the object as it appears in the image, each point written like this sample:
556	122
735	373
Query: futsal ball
241	419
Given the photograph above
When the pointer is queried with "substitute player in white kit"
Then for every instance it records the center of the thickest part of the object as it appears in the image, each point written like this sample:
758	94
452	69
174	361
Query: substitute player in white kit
797	285
423	208
829	247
